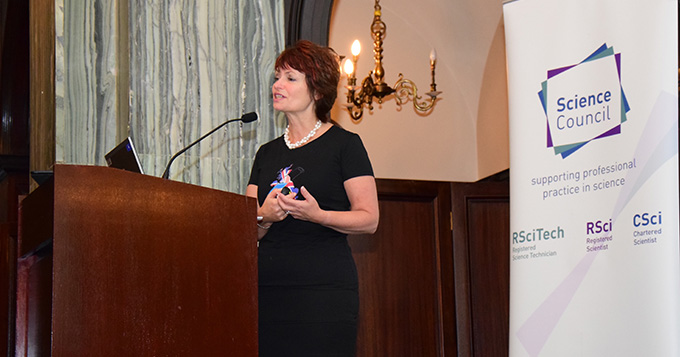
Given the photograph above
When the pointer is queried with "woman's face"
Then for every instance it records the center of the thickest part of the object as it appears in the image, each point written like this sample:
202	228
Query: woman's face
290	92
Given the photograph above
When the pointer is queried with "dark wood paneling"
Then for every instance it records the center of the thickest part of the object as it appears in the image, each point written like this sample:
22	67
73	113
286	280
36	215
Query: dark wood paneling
14	150
481	231
34	297
42	98
405	273
8	262
14	84
13	184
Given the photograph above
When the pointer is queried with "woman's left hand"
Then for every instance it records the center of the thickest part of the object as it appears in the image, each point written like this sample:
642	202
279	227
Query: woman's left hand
306	210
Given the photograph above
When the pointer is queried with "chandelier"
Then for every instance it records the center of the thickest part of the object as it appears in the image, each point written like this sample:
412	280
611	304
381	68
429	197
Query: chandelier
373	87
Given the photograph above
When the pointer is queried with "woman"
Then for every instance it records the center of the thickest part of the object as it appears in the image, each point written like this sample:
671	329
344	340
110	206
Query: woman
314	186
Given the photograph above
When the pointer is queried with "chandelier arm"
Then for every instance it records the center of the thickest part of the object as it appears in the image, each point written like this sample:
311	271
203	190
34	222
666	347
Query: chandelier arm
355	99
355	112
406	90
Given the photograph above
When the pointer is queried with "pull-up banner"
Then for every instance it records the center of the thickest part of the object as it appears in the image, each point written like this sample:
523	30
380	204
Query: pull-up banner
593	95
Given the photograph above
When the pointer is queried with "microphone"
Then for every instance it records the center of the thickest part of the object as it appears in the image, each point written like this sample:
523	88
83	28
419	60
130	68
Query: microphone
246	118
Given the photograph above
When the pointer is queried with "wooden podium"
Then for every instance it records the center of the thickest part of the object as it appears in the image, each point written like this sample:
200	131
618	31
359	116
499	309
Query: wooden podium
114	263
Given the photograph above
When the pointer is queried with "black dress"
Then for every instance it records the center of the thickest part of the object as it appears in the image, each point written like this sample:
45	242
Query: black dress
308	289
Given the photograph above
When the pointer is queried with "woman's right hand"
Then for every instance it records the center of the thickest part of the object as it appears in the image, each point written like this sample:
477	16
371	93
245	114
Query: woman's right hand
271	211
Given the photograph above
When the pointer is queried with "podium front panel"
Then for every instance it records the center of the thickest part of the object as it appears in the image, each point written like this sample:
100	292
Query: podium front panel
145	266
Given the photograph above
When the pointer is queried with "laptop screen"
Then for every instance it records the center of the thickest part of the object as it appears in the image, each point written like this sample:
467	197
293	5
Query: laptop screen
124	156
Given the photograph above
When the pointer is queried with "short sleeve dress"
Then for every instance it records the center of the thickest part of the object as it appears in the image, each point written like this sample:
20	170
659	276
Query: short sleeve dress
308	286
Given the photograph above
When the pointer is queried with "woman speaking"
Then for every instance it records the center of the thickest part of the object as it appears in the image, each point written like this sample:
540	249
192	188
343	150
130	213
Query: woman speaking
314	185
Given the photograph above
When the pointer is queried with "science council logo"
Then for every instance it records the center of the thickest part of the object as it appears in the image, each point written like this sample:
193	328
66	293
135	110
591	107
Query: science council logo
584	102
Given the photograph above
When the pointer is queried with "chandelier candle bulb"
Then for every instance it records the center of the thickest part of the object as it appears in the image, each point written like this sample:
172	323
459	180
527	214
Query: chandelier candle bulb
349	67
356	48
433	57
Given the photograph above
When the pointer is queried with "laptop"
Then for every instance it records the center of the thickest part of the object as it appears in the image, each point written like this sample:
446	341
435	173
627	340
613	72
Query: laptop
124	157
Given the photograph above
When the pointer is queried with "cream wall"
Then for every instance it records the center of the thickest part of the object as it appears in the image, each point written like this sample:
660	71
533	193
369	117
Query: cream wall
465	137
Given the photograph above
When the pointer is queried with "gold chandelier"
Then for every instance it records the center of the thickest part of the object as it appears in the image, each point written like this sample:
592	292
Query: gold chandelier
373	85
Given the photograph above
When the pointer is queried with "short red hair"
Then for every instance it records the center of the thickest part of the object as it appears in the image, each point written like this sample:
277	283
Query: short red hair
321	67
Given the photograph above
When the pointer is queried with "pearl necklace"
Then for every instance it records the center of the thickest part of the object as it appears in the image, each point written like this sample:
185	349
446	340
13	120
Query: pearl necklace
303	140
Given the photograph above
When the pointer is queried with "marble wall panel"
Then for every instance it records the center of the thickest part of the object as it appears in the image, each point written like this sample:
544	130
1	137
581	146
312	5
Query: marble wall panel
192	65
85	78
